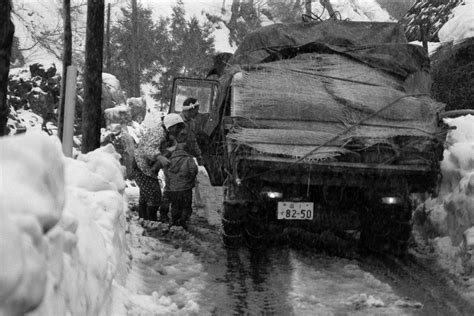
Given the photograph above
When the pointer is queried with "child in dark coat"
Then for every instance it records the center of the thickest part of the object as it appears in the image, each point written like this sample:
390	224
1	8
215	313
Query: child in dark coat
181	175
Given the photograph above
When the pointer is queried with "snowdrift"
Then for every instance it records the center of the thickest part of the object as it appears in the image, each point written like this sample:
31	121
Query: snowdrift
452	212
60	249
460	24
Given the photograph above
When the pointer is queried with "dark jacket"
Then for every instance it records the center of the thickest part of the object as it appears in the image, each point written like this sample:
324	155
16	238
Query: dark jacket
182	171
191	143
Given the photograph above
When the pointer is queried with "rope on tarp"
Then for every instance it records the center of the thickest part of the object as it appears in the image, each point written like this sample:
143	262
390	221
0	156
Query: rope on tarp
350	128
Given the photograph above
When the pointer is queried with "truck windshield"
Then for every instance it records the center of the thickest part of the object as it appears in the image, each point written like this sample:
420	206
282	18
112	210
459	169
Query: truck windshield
202	90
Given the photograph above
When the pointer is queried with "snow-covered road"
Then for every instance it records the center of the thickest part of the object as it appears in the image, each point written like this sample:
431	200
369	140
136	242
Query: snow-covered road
277	281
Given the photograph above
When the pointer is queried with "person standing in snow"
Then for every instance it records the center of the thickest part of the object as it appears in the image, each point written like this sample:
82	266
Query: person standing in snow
181	176
190	111
151	156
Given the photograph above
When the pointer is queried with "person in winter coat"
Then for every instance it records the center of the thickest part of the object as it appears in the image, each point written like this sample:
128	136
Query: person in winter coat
190	110
181	175
151	156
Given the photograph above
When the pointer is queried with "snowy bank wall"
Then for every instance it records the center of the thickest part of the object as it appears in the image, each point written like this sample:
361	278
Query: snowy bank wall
60	249
452	212
456	199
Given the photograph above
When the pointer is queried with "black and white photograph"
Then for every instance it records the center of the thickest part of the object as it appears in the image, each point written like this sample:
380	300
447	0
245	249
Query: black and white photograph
236	157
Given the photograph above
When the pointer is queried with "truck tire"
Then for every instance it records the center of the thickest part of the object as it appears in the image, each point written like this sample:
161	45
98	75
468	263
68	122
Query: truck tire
255	226
243	220
386	229
233	216
232	223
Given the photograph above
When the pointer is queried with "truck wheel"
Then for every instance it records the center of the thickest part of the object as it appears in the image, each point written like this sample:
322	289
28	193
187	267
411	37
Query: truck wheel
255	227
242	221
386	229
233	219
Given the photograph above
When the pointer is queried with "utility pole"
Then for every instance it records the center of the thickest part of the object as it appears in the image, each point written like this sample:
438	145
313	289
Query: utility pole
67	61
107	41
92	114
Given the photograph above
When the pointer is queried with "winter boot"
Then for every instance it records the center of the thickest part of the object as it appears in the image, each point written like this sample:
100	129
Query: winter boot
152	211
164	211
142	209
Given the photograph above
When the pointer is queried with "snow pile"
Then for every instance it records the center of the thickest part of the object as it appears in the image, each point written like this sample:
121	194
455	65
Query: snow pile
452	213
62	245
457	189
153	118
32	195
361	10
24	121
112	94
461	25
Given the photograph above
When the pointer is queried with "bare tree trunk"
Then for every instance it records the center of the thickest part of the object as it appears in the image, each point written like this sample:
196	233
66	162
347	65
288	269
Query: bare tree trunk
91	109
67	61
307	6
327	4
107	41
135	66
7	30
424	32
235	11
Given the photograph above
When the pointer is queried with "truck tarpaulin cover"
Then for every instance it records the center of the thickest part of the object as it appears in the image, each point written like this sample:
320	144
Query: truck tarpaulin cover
326	76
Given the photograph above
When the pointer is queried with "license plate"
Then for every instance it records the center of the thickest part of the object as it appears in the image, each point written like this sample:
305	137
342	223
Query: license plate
295	210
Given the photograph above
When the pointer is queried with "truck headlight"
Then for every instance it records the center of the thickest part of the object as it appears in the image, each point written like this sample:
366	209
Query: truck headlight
391	200
272	194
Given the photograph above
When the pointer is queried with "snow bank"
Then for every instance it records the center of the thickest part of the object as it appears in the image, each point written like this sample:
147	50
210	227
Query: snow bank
461	25
32	195
457	188
452	213
62	232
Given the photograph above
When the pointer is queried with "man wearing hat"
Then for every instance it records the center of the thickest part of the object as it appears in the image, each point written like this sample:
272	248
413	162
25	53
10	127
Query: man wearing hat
190	111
